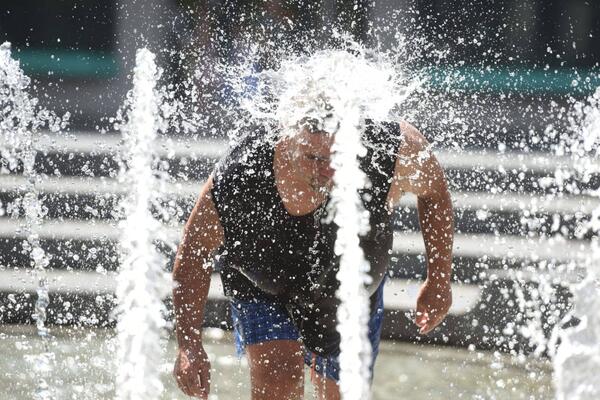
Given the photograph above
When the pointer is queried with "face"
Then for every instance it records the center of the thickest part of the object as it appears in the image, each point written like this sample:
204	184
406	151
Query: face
311	155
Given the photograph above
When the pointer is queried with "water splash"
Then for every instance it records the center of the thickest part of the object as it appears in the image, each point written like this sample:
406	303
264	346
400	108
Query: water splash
577	359
21	120
143	282
352	220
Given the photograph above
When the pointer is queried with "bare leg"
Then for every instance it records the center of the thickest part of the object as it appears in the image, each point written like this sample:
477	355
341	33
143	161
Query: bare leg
276	370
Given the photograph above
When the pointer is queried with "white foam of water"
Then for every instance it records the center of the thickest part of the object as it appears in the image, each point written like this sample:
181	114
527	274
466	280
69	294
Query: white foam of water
143	283
310	86
577	359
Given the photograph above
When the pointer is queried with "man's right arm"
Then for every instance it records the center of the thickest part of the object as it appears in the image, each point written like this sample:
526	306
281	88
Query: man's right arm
203	234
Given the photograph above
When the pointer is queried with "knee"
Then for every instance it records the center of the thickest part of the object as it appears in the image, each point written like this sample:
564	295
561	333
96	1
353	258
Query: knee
276	368
274	362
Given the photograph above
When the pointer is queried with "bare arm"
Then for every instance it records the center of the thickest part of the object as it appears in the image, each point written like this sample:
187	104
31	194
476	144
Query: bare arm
418	171
203	234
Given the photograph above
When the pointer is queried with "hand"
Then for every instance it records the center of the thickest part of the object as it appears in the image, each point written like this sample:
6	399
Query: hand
192	372
433	303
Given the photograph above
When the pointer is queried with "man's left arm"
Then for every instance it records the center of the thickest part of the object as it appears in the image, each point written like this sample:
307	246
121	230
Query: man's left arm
418	171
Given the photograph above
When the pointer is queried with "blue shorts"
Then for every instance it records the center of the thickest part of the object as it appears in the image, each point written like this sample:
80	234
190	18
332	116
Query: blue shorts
262	321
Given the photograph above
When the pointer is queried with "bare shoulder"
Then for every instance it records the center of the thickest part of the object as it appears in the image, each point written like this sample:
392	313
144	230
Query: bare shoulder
417	169
413	153
205	196
204	224
414	142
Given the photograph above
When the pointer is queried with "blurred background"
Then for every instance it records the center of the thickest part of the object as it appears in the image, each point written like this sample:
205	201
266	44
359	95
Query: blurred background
501	77
85	49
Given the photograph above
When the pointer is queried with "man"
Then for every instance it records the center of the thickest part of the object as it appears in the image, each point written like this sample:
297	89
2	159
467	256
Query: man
263	211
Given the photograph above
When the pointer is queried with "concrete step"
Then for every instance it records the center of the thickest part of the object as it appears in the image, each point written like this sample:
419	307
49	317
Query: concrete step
509	214
399	294
481	315
85	154
489	246
189	189
177	147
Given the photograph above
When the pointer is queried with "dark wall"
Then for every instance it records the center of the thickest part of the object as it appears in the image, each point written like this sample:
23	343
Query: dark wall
60	24
535	33
532	33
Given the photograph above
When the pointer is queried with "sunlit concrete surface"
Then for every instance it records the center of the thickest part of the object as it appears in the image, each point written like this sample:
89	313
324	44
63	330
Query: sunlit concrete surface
84	369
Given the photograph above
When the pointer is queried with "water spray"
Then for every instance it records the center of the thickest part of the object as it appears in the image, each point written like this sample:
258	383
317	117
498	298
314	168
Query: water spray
143	283
21	120
577	358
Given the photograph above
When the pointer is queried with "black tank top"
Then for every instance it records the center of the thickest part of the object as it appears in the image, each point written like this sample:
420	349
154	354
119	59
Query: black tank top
268	253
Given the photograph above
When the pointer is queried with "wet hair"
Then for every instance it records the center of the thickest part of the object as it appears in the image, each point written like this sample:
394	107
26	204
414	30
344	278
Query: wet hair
311	124
316	126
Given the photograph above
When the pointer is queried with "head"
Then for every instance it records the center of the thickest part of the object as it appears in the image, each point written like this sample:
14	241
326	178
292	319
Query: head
310	154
